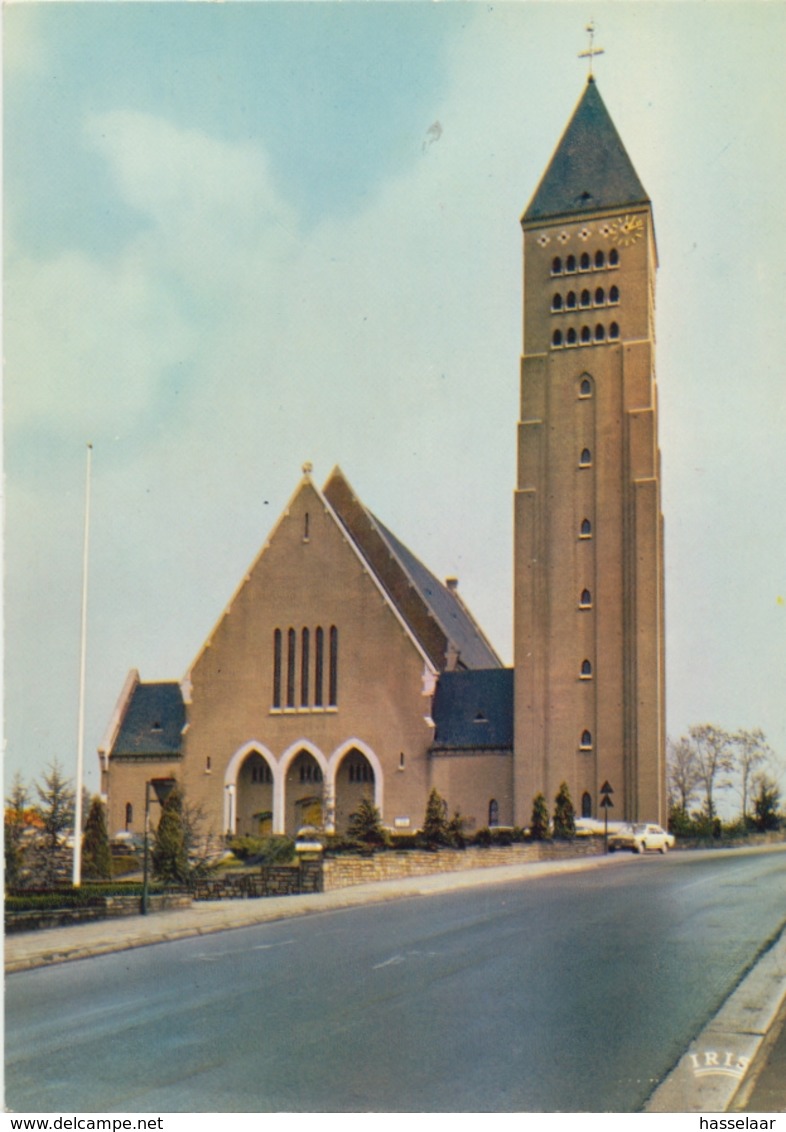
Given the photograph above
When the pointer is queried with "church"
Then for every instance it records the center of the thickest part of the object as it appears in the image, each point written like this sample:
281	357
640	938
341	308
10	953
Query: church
342	667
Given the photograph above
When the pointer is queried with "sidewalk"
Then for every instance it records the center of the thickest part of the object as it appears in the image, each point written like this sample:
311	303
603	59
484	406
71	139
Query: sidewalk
752	1013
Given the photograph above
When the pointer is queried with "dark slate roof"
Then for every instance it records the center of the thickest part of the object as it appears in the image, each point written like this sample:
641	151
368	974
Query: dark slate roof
590	169
474	710
446	607
153	721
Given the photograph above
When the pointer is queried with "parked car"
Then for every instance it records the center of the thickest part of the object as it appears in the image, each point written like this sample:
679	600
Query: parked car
641	836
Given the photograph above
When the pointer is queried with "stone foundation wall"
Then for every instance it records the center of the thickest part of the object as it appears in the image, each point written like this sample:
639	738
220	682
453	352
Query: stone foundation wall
270	880
112	906
341	872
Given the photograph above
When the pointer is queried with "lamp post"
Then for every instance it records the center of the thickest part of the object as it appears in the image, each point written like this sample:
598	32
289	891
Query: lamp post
606	803
163	787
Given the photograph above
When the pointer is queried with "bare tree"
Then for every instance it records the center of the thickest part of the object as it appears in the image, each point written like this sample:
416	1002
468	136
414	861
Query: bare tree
751	752
714	753
682	773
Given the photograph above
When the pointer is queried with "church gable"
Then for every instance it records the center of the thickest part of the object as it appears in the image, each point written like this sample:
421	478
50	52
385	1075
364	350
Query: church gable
308	588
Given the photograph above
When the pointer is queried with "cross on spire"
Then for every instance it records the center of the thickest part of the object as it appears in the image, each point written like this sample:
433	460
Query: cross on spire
592	50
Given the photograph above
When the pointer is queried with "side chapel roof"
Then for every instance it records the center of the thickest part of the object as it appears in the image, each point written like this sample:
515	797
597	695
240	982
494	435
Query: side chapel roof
151	723
473	710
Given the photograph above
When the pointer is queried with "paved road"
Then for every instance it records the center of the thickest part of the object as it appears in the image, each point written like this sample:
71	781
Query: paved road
571	993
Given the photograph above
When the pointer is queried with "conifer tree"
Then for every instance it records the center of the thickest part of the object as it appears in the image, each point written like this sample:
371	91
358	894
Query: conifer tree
435	823
365	824
96	857
170	853
539	822
14	824
56	813
564	814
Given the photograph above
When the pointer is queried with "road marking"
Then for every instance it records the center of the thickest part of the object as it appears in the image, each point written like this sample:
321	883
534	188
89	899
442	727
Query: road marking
214	956
388	962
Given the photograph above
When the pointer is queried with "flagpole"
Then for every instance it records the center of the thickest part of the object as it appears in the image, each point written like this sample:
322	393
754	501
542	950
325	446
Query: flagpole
80	741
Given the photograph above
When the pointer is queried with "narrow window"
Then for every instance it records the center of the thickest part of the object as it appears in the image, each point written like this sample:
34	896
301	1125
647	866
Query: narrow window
305	641
493	812
585	298
305	527
556	303
277	668
570	263
585	261
614	258
556	266
401	761
585	601
207	765
600	296
291	661
586	669
129	815
585	459
586	528
333	679
614	294
571	338
556	339
570	301
586	805
585	389
600	333
586	334
586	740
614	331
600	259
319	666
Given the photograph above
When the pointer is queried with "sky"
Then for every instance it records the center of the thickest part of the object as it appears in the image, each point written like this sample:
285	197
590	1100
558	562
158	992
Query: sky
243	236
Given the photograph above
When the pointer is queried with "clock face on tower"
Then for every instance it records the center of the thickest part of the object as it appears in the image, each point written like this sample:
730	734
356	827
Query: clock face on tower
628	230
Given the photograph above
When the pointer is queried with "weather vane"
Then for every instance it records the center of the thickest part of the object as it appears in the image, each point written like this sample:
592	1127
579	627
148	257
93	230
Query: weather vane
592	49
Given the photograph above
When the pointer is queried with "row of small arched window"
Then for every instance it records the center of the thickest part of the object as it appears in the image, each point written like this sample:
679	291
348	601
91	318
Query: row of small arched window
585	336
585	262
585	299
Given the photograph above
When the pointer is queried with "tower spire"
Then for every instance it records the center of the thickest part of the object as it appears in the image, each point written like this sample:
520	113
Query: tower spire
592	50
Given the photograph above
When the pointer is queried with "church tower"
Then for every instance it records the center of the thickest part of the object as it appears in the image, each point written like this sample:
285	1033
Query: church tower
589	600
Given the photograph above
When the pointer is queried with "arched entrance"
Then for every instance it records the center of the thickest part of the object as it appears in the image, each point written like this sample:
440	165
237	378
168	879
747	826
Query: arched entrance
254	797
304	793
354	780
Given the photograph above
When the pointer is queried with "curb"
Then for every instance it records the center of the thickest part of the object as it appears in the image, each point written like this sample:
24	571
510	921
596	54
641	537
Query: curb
710	1074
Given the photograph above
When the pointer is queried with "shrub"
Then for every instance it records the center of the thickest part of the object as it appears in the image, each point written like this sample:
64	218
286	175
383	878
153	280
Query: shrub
482	838
365	825
122	865
539	822
263	850
170	854
435	824
96	858
564	814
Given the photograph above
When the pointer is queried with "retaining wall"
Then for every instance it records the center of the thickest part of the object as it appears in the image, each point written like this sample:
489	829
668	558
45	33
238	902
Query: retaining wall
341	872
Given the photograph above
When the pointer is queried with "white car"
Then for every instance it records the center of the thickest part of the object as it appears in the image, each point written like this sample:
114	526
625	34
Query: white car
641	836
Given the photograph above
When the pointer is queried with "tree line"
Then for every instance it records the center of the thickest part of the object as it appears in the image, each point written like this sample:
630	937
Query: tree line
710	761
39	827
